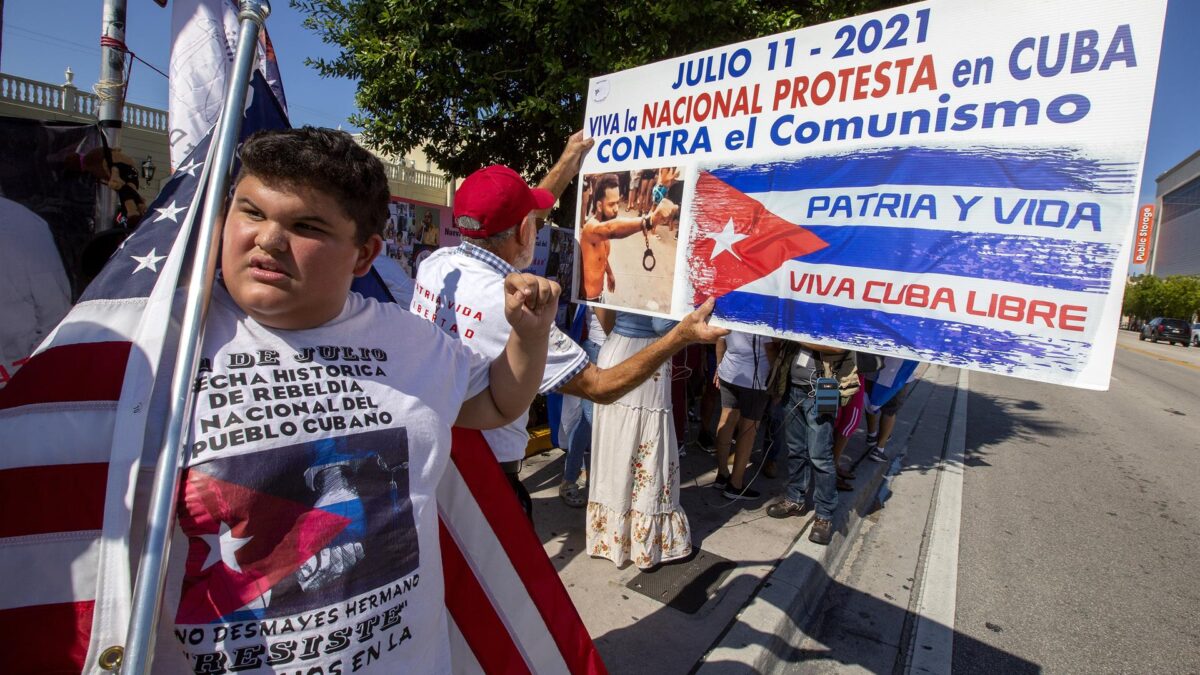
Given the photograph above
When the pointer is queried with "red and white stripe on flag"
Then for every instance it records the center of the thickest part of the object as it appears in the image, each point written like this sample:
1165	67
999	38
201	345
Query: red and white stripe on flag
508	610
505	600
53	482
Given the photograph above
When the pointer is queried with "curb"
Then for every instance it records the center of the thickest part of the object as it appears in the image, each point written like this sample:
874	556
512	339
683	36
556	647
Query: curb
773	620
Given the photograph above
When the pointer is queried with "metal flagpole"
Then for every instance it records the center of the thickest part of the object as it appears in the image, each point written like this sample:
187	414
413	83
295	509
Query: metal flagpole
152	566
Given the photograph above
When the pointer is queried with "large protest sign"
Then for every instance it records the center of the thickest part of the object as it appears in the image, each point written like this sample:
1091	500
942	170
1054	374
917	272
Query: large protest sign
953	182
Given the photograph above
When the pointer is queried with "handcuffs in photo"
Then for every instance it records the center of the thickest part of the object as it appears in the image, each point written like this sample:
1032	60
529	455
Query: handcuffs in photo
648	260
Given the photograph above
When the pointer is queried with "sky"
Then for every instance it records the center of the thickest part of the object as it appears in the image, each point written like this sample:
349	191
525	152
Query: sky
43	37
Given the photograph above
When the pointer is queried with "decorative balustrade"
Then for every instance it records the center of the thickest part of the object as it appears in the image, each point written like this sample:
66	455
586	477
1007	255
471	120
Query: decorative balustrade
146	118
31	92
70	100
86	104
406	174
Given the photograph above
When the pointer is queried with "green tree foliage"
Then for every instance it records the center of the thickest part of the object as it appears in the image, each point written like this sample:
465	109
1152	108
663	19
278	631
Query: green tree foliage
1176	296
504	82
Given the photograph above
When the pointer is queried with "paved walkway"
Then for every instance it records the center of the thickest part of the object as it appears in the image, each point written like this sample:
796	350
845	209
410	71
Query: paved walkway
773	577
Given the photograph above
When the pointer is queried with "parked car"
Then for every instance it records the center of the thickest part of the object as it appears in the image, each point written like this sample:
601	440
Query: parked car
1196	335
1171	330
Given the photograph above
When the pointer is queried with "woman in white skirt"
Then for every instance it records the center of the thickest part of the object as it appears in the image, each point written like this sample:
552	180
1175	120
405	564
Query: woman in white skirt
633	511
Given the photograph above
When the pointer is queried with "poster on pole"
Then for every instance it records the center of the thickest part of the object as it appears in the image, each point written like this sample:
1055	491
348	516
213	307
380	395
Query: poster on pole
949	181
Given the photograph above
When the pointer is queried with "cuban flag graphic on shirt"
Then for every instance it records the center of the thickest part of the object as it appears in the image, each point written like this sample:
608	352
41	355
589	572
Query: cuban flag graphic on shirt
991	259
326	520
231	563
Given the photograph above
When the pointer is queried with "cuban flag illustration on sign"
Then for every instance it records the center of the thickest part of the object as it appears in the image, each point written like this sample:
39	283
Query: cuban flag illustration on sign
867	249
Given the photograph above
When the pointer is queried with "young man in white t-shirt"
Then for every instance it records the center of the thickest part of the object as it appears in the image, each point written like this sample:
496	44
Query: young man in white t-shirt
308	531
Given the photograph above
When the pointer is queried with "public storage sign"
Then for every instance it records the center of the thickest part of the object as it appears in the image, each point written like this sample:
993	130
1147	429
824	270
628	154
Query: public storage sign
1145	227
947	181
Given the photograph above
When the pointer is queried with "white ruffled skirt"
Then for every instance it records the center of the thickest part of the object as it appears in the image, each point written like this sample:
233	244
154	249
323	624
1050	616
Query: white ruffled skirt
633	511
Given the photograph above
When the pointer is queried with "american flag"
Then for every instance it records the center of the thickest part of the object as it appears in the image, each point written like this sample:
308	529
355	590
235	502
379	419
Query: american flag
204	40
77	418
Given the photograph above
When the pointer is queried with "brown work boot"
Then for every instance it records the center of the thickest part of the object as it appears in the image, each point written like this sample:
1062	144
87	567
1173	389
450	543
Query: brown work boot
821	532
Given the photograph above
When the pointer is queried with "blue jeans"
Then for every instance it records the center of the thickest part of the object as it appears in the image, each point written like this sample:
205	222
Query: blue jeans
810	453
579	448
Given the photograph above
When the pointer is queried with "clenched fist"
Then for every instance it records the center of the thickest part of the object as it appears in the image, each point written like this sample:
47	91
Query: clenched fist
530	304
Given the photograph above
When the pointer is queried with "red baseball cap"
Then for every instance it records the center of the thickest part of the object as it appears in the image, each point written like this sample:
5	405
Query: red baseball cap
499	199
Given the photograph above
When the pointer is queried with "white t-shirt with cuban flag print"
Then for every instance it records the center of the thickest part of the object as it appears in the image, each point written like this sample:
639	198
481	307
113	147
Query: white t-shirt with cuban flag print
307	536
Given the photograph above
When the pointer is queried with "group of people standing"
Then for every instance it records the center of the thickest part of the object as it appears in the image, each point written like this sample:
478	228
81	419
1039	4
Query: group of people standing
306	217
767	390
633	511
621	369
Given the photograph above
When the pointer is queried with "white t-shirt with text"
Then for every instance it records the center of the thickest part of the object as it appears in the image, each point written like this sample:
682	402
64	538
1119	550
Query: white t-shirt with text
307	536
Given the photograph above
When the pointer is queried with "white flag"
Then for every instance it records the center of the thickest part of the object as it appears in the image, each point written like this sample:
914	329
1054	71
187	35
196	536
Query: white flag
204	41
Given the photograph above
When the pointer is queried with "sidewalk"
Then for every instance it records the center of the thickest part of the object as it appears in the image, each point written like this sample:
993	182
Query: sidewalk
739	603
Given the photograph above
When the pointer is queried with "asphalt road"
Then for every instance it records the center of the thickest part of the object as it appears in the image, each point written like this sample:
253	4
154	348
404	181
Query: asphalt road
1080	545
1079	532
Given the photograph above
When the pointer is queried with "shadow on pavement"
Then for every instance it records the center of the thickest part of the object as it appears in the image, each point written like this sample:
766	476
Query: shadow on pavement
790	659
1008	419
706	509
640	645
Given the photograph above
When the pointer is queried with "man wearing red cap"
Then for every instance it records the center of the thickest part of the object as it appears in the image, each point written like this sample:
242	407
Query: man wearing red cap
459	289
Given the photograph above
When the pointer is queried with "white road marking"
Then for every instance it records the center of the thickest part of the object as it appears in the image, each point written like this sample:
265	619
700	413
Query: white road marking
932	649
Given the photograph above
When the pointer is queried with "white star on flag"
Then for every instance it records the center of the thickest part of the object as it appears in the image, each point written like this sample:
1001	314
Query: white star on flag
724	241
169	211
189	167
222	547
148	261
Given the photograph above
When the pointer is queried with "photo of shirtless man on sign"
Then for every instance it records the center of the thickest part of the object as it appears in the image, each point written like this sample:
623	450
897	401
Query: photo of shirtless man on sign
627	246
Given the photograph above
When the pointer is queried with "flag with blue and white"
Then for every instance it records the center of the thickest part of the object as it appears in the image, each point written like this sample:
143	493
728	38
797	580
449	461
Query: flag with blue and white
77	418
889	381
988	258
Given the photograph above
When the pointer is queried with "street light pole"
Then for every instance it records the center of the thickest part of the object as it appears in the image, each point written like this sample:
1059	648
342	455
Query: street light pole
111	92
